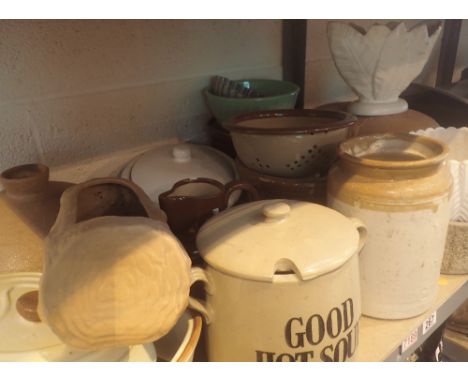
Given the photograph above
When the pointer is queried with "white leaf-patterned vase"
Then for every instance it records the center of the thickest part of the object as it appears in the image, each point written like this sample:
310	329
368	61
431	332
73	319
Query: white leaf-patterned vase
380	63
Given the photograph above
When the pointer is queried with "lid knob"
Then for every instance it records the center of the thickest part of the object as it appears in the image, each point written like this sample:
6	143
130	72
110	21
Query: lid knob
181	153
276	211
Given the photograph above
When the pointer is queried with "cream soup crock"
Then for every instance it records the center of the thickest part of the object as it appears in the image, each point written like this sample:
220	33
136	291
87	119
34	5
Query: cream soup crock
282	283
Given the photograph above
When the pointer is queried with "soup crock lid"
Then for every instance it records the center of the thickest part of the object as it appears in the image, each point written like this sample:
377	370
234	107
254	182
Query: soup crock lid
269	238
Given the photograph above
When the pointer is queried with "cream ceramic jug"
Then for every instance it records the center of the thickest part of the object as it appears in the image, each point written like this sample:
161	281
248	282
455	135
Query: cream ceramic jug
282	283
114	275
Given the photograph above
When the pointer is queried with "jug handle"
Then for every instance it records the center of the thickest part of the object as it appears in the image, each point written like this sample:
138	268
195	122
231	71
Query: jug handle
362	232
242	185
198	274
67	215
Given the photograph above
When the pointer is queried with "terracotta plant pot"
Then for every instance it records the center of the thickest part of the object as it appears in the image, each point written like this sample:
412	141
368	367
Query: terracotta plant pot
32	196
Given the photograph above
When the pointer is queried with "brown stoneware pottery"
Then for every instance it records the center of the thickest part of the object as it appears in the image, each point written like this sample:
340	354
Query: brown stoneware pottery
309	189
220	138
191	202
32	196
404	122
114	274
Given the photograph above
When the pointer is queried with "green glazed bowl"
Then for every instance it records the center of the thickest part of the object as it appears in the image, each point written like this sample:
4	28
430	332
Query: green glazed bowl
277	95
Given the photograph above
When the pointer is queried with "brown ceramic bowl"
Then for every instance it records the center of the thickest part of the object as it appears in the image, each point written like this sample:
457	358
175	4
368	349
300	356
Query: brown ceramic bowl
289	143
309	189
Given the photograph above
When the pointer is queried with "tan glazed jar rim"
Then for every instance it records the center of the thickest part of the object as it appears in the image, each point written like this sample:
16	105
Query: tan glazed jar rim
432	151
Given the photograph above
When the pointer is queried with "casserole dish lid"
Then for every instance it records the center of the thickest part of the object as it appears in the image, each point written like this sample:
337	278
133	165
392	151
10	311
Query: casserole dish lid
24	340
266	239
157	170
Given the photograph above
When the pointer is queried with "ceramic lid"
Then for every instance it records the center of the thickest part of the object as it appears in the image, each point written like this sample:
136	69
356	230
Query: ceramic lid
275	237
157	170
23	340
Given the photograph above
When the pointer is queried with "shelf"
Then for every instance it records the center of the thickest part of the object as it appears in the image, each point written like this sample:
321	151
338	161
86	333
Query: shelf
380	340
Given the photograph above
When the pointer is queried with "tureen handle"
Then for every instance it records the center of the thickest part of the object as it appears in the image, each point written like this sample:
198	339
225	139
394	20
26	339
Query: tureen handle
362	232
198	274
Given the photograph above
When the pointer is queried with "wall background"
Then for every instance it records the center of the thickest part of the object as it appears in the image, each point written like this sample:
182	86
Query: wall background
91	94
76	89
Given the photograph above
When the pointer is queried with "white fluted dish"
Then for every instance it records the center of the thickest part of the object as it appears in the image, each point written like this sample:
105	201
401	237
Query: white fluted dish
456	247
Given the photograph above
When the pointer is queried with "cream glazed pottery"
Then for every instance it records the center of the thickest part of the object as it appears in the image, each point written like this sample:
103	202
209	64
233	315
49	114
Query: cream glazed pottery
289	143
282	282
114	274
26	340
157	170
399	186
378	64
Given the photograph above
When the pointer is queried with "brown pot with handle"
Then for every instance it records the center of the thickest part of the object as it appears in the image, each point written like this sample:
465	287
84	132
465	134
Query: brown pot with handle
191	202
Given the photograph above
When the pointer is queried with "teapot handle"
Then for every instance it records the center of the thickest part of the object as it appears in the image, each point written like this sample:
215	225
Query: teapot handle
198	274
242	185
362	229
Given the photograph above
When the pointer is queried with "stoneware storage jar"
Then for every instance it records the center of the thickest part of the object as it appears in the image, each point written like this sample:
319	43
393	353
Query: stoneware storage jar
289	143
282	282
114	274
399	186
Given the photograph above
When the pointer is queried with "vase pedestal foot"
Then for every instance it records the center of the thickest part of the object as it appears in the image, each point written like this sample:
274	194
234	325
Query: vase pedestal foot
373	109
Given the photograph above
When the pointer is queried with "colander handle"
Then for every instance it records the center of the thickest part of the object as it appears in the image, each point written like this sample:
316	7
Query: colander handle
362	232
198	274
